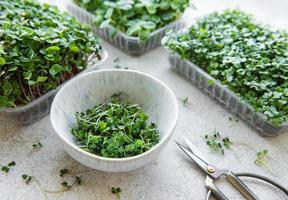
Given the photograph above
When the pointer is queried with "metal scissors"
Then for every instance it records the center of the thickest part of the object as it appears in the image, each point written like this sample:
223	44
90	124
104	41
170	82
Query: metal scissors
214	173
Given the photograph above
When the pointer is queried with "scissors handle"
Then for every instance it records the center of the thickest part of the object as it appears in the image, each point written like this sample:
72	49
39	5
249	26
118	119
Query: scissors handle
240	186
217	193
214	190
263	178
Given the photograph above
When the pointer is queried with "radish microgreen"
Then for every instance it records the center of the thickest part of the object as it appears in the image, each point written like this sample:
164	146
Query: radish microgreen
249	58
115	129
40	48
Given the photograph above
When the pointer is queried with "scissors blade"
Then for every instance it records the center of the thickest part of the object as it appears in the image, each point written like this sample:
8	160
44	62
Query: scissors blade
201	164
195	150
195	155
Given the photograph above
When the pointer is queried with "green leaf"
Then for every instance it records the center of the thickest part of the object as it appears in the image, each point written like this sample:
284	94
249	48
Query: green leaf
55	69
41	79
104	24
152	8
102	126
7	88
52	49
74	48
27	75
133	30
6	25
2	61
6	102
31	82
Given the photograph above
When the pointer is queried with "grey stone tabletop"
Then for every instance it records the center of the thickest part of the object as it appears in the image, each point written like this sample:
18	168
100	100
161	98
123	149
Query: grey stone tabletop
171	177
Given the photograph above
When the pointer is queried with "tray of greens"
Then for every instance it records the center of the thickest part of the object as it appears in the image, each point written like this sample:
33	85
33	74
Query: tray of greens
133	26
40	48
115	129
240	63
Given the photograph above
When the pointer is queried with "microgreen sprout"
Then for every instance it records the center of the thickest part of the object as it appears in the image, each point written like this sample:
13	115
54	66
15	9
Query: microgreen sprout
7	167
261	157
37	145
78	180
117	64
185	101
27	178
116	191
262	160
217	143
63	172
231	119
67	186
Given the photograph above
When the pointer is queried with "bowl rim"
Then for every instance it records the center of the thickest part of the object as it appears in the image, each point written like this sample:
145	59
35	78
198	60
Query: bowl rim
125	159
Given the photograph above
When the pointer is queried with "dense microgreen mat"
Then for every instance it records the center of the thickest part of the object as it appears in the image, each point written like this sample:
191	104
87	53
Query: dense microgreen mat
115	129
251	59
39	49
136	18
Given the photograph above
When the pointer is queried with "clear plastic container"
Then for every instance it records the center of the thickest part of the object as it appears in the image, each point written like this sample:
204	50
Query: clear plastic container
40	107
130	45
225	96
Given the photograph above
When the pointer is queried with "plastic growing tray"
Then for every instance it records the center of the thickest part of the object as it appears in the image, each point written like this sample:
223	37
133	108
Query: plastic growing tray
40	107
225	96
130	45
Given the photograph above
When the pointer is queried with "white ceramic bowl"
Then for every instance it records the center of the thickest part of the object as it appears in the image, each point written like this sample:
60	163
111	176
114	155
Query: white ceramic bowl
89	89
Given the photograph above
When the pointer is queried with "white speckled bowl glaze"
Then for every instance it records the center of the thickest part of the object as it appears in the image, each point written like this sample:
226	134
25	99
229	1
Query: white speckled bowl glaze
87	90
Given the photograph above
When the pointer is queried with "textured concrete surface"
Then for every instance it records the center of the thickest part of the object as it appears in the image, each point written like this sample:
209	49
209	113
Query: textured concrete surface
171	177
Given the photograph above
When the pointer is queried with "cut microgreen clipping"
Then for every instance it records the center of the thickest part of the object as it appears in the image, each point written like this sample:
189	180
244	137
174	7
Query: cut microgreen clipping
261	157
40	48
62	172
115	129
67	186
78	180
37	145
117	64
262	160
116	191
27	178
217	143
136	18
231	119
7	167
186	102
249	58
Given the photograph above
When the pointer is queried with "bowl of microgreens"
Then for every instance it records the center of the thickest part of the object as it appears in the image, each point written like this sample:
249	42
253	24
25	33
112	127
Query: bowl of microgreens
114	120
40	49
133	26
